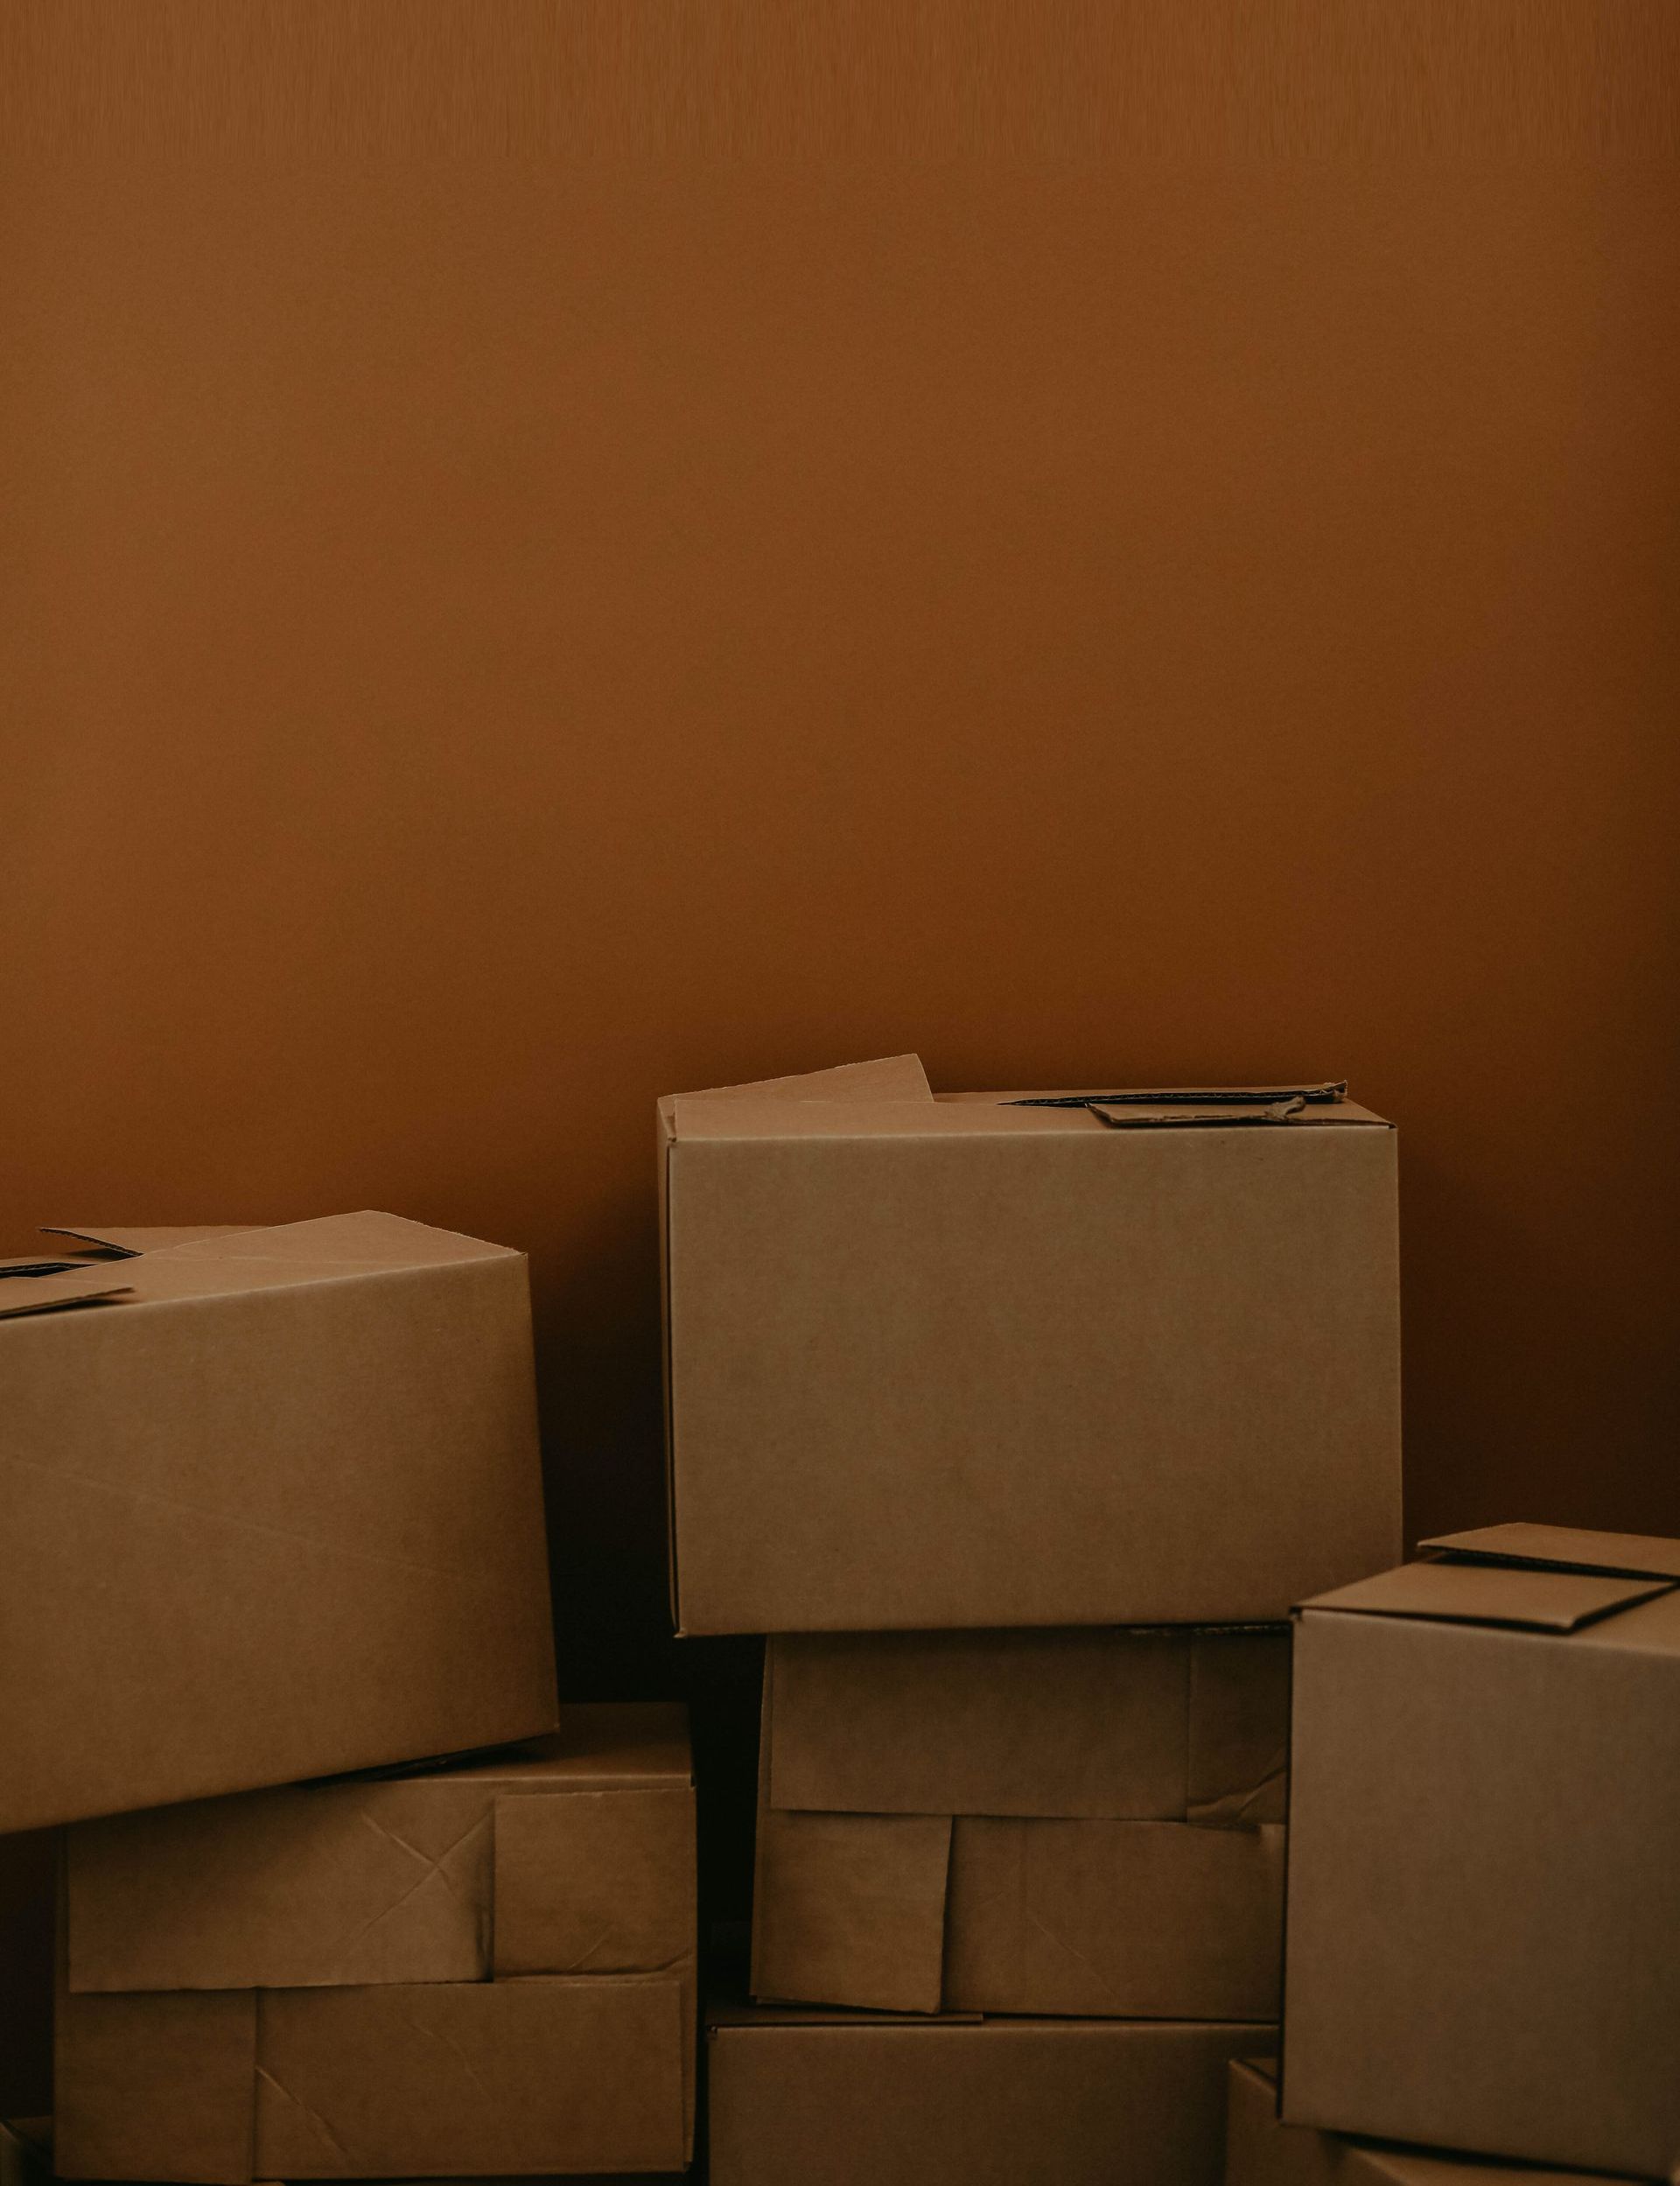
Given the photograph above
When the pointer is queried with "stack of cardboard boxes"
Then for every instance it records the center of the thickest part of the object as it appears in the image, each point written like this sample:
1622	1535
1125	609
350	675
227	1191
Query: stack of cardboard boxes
1018	1422
275	1510
1036	1433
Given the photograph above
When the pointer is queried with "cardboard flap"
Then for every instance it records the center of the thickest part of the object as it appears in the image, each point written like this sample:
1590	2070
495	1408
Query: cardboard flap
890	1078
594	1882
850	1909
1326	1094
1157	1115
131	1242
34	1286
1563	1548
1529	1597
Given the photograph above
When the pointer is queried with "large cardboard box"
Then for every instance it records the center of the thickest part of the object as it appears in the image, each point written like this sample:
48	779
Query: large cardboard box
1260	2150
821	2099
1484	1891
479	1970
273	1507
1024	1359
1080	1822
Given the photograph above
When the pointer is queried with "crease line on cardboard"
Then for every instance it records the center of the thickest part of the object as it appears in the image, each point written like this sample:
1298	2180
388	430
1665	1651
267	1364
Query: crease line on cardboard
434	1868
448	2042
126	1493
314	2116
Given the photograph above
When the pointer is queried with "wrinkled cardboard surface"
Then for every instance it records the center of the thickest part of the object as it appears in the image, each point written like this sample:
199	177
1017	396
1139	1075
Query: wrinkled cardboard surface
1260	2150
913	1384
275	1511
565	1868
910	1856
1484	1904
1000	2103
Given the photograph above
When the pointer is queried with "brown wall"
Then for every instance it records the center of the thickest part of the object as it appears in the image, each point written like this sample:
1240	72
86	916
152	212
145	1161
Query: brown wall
597	550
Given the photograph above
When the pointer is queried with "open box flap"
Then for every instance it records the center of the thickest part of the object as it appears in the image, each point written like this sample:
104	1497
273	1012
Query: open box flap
1538	1600
889	1078
1563	1548
150	1238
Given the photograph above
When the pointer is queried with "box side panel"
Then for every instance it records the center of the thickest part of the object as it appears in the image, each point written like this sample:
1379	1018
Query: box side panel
269	1537
500	2078
851	1909
338	1884
1003	2103
1005	1380
1483	1902
1260	2151
1149	1920
154	2087
1046	1723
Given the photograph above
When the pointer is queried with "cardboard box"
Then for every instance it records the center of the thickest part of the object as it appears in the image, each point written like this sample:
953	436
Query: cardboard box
1079	1822
1024	1359
1484	1892
1260	2150
273	1509
820	2099
487	1970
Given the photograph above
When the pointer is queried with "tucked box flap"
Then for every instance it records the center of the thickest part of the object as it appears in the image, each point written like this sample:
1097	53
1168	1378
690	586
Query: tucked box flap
594	1882
1489	1593
34	1286
851	1908
746	1119
1567	1548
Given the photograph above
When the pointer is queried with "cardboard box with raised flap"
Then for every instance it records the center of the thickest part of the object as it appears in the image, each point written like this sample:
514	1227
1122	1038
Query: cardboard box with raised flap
273	1509
1484	1897
477	1971
1079	1822
821	2099
1261	2150
1017	1359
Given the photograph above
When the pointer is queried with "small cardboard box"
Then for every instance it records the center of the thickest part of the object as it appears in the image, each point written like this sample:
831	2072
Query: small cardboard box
482	1971
273	1509
1024	1359
820	2099
1484	1892
1260	2150
1079	1822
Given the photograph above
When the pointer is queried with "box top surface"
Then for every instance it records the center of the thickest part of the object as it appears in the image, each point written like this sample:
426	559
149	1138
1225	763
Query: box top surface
158	1266
1541	1579
891	1099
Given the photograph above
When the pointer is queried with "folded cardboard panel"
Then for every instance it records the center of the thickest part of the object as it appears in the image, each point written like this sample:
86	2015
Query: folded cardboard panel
274	1509
1484	1904
483	1970
915	1854
826	2101
1024	1360
1260	2150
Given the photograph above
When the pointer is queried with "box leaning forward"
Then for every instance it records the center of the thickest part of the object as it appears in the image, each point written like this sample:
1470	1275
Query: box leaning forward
1024	1359
480	1970
273	1509
1484	1893
1081	1822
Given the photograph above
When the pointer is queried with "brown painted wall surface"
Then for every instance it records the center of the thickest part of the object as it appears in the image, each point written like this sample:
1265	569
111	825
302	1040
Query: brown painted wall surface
555	554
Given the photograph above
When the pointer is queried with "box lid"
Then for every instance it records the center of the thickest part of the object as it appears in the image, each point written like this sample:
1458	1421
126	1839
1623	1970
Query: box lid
1563	1548
1533	1598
